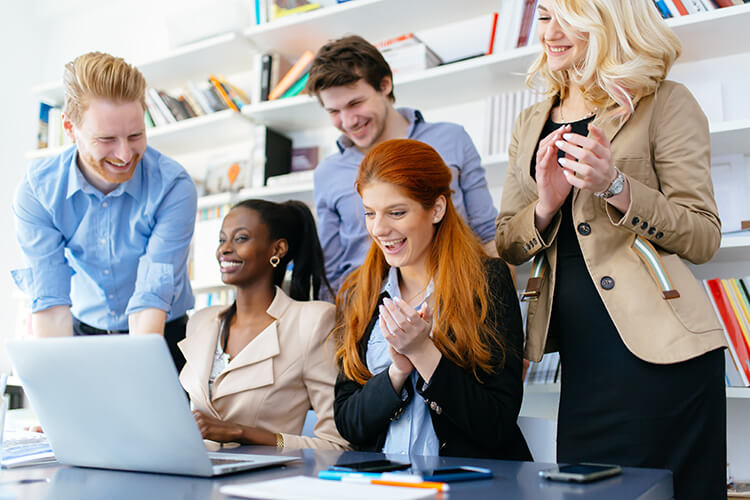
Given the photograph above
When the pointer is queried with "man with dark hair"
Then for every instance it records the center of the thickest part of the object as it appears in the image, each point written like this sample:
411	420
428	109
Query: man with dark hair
354	84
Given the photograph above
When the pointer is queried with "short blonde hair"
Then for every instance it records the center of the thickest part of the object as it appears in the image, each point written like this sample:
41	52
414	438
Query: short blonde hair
100	75
630	51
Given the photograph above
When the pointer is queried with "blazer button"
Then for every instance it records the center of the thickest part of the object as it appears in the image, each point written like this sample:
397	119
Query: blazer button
659	235
644	225
635	221
584	228
607	283
651	230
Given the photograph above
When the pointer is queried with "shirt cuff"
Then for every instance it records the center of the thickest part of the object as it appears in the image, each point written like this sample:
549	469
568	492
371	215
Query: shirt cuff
46	285
154	287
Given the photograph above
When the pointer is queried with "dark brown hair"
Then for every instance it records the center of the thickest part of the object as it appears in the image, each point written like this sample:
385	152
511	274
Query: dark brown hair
346	61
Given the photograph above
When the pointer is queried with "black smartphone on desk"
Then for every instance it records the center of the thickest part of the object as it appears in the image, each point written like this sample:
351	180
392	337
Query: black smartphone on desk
580	473
453	474
371	466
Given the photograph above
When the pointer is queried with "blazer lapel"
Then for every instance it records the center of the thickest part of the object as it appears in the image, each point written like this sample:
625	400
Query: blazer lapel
253	365
528	142
199	350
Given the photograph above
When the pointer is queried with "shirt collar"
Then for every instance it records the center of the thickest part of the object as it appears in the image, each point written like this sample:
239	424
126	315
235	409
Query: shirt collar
391	286
77	182
414	117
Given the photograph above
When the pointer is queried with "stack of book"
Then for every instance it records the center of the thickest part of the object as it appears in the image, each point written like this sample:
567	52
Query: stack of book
732	305
51	133
501	112
546	371
195	100
277	78
407	53
270	10
677	8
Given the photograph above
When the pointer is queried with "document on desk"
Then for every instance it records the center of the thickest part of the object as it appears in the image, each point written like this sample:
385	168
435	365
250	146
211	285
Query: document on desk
310	488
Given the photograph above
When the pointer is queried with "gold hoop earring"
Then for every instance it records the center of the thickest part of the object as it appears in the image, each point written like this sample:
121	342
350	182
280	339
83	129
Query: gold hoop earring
275	260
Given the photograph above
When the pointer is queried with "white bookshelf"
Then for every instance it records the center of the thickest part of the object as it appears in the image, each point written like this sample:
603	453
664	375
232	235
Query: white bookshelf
283	192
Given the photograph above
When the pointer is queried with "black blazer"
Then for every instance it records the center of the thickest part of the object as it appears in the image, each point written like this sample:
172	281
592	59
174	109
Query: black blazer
471	419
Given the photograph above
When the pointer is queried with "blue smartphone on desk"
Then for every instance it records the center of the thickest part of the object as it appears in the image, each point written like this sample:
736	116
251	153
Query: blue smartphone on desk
454	474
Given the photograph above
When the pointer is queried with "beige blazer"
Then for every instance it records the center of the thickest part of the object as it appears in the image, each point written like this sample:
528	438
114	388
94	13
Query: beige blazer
273	382
664	151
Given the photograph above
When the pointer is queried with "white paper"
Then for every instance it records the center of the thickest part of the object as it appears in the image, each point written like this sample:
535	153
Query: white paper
310	488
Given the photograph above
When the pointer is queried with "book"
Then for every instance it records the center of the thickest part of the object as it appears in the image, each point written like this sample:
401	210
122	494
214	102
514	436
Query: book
663	10
735	303
282	8
197	95
298	87
42	135
461	40
161	106
297	70
527	17
731	325
409	58
219	88
735	375
680	7
174	105
190	103
272	155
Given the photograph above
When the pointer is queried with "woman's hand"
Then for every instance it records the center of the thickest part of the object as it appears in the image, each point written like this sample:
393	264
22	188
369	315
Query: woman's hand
406	330
408	333
594	170
217	430
551	181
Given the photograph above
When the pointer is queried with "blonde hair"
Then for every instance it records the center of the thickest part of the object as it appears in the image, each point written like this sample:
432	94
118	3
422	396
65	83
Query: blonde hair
100	75
629	53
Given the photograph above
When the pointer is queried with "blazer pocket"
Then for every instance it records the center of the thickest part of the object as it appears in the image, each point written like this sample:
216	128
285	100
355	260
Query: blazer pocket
244	378
693	307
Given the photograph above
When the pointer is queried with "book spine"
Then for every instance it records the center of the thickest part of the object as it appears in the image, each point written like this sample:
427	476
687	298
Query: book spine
526	18
493	33
197	94
681	7
161	106
298	87
265	77
222	93
731	327
292	75
734	301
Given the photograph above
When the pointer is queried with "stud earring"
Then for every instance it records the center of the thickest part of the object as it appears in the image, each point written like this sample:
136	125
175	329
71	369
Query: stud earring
275	260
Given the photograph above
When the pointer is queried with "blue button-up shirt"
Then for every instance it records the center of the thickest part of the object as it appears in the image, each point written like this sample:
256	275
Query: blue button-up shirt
341	225
412	433
106	256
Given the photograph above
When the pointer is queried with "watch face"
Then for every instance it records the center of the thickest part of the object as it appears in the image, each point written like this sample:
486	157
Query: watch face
617	184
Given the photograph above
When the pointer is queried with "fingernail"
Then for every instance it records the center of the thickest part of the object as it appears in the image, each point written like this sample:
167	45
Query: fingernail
562	161
559	144
567	137
396	299
566	173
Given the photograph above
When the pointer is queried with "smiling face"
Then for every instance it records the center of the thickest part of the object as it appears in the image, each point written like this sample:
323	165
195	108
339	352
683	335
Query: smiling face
563	49
111	140
399	225
245	248
359	111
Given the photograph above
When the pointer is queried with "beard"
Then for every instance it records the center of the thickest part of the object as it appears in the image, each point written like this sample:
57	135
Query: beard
106	172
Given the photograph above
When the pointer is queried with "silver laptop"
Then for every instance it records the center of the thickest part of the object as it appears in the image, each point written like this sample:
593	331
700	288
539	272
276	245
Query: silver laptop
115	402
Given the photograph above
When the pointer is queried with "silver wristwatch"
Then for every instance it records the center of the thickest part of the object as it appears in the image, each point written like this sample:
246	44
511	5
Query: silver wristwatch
614	188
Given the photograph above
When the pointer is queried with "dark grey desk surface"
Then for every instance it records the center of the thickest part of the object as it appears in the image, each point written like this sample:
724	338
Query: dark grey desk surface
513	480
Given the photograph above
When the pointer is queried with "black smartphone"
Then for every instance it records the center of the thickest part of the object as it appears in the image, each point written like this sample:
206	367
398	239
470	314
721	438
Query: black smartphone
453	474
580	473
371	466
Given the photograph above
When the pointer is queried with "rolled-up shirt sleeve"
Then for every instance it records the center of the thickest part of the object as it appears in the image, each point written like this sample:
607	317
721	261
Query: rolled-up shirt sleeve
47	279
480	210
162	266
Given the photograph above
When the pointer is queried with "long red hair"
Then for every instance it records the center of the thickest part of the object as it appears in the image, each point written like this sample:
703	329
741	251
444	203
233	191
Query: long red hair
454	264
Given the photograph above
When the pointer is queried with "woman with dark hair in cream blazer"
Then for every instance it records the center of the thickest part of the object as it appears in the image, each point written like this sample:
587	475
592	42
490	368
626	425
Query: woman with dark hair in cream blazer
608	187
255	369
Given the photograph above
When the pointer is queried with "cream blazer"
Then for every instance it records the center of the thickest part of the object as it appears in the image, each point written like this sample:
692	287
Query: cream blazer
271	384
664	151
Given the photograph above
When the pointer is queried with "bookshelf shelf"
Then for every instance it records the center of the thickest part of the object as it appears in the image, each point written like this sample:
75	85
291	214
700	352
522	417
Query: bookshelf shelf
734	247
297	191
373	19
228	53
731	137
712	34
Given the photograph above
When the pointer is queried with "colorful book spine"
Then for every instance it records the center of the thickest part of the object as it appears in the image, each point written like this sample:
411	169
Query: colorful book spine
219	88
302	65
298	86
732	328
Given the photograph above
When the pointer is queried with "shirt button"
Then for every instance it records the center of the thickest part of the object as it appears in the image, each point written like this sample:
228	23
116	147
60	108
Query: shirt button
105	204
103	241
607	283
106	272
635	221
584	228
111	313
111	296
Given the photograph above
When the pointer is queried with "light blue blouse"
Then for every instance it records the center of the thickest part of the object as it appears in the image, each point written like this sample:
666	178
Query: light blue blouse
412	433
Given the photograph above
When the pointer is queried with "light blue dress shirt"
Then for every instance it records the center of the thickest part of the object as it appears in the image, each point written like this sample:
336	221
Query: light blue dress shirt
412	433
106	256
341	222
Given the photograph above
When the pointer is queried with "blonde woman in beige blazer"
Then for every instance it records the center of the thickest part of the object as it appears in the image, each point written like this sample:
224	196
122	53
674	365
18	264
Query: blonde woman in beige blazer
608	189
253	370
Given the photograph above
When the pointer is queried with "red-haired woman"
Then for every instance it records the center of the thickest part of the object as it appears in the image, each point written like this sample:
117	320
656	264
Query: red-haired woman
429	328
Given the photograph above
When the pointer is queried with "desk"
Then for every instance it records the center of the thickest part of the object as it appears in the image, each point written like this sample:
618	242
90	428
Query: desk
513	480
